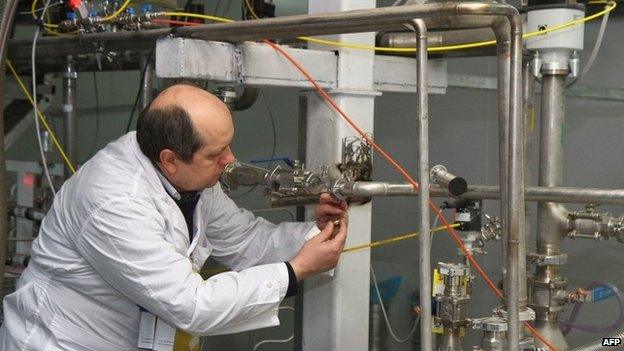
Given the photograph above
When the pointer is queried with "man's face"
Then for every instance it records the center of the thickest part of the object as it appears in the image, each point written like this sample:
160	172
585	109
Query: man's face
207	164
213	123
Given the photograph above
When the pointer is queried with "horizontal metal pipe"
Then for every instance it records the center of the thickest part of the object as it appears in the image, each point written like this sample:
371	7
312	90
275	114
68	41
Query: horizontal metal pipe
451	37
536	194
438	16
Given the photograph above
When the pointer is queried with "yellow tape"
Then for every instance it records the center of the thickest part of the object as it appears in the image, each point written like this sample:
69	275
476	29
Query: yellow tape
394	239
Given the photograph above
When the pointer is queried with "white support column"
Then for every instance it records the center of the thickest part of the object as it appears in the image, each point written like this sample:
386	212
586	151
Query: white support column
335	309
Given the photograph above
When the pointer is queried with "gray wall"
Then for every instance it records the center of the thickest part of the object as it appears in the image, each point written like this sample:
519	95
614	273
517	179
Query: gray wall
463	137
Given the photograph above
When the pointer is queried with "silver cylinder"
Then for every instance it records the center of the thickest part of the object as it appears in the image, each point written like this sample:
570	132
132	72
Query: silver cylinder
70	130
424	247
451	37
489	192
378	332
550	216
454	184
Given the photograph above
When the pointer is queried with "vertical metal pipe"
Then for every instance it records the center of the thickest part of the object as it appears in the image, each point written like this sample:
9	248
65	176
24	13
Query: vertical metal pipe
503	53
6	25
550	216
528	106
516	217
424	249
146	83
69	113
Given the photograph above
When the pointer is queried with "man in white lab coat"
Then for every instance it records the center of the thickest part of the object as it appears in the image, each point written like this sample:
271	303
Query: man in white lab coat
122	244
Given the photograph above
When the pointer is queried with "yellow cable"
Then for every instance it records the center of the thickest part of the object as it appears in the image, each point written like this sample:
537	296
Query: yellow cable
395	239
371	245
610	6
250	8
42	119
33	13
118	12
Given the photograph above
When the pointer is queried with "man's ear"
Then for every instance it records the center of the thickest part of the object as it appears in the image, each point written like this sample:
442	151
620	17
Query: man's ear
169	161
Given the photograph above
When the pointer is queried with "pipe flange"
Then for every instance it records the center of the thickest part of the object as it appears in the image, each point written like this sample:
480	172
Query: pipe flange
547	260
559	284
555	68
453	269
547	309
493	323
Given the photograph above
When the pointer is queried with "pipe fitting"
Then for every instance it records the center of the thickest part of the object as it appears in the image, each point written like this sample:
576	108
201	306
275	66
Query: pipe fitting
455	185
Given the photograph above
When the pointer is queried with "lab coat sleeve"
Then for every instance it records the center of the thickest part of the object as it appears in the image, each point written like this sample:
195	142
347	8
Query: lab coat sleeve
124	242
241	240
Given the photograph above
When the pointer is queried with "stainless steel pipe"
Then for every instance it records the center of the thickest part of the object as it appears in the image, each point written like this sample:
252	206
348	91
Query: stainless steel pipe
550	216
489	192
146	84
436	15
424	241
451	37
70	130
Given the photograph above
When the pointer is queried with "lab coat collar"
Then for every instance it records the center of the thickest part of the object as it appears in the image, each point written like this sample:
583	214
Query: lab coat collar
154	177
171	190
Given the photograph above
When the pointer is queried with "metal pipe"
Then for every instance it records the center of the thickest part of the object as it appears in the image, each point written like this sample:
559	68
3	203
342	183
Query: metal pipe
6	25
246	99
444	38
455	185
511	166
355	21
489	192
146	83
550	216
528	106
69	114
424	247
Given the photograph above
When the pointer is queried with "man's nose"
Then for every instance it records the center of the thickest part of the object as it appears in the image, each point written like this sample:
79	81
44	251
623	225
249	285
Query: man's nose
229	157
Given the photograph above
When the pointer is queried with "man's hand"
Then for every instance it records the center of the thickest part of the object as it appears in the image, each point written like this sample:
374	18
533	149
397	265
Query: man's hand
322	252
330	209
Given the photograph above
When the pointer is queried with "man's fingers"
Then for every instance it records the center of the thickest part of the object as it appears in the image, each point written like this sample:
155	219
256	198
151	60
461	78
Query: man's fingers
341	237
326	233
327	198
328	209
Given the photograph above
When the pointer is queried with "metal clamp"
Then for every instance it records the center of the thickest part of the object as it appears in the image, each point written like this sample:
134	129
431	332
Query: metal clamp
492	323
525	315
547	260
453	269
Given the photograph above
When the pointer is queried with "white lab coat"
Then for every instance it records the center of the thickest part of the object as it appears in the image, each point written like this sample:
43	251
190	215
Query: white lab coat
114	240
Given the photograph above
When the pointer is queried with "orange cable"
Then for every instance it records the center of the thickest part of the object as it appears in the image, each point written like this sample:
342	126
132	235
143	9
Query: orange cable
400	169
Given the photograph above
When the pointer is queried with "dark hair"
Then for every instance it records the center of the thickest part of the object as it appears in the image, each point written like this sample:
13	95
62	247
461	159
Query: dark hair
167	128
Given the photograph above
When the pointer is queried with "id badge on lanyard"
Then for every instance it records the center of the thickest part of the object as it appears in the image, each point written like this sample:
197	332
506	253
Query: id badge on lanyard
156	335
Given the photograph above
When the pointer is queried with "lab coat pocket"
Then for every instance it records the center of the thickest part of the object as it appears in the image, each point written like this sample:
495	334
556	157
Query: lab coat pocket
71	337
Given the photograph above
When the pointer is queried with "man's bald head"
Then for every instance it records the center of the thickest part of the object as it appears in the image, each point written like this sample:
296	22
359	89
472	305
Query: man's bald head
182	118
